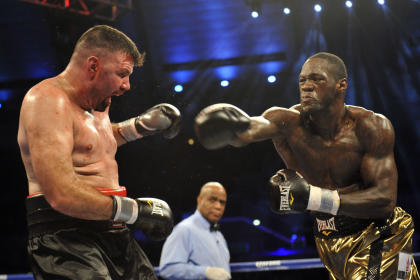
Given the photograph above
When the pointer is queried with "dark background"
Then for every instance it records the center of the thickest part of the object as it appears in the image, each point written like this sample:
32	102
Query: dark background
198	43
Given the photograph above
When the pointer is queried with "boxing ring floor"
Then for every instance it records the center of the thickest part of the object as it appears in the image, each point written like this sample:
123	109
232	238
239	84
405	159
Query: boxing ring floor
240	267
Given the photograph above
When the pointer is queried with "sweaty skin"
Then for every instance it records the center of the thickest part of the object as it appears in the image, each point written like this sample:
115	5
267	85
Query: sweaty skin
67	141
333	145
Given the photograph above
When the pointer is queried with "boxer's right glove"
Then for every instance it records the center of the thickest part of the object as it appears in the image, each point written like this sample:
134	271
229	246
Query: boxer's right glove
217	125
288	191
162	118
153	216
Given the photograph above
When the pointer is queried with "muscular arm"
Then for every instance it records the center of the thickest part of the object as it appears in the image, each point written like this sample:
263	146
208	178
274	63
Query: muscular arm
47	122
378	171
223	124
272	123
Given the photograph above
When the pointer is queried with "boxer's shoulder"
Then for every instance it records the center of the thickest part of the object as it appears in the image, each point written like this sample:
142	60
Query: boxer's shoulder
47	94
365	117
373	130
283	116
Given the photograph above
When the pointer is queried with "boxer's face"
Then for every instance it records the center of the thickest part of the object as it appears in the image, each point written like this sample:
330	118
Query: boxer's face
211	203
317	85
113	77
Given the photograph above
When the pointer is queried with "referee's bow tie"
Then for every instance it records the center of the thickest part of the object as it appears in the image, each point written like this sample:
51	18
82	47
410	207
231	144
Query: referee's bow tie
214	227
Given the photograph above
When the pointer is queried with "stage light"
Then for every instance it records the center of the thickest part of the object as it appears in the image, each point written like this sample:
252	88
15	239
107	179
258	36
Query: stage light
178	88
256	222
286	11
190	141
224	83
0	105
271	79
255	7
349	4
317	8
381	2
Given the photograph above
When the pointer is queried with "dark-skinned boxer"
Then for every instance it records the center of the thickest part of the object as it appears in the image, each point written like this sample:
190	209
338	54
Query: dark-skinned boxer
340	167
77	211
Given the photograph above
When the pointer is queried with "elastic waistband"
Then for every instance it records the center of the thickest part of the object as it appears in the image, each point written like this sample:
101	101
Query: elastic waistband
329	226
121	191
42	218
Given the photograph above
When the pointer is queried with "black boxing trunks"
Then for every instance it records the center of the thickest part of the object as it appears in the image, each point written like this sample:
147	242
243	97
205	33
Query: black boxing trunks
366	249
63	247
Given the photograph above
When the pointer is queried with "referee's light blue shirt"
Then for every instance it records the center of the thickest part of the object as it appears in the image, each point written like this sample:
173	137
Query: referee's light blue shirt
191	248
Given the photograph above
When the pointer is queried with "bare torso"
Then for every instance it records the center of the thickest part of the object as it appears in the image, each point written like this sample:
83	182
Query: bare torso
332	163
94	146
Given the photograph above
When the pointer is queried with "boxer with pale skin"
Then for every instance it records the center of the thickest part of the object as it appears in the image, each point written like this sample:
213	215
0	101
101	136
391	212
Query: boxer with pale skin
68	146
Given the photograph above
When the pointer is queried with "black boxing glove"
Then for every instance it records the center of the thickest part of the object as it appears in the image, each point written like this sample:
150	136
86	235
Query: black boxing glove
153	216
162	118
217	125
288	191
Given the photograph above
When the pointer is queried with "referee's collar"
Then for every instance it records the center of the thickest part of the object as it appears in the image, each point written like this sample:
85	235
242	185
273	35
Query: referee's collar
203	221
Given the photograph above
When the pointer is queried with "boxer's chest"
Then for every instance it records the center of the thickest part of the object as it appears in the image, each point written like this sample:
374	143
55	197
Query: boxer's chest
323	162
93	137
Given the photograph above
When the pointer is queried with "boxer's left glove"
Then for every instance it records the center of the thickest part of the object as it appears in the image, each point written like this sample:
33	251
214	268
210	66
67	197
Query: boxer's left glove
162	118
153	216
288	191
218	125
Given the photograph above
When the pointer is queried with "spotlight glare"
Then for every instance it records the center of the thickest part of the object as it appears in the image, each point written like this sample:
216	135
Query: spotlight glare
0	105
286	11
317	8
381	2
190	141
271	79
178	88
224	83
349	4
255	14
256	222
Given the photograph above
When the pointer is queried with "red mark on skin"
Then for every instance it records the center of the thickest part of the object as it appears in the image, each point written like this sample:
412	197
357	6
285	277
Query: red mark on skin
89	147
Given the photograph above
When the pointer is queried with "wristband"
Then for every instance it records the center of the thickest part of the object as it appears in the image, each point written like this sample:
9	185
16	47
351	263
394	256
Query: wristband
323	200
127	130
125	209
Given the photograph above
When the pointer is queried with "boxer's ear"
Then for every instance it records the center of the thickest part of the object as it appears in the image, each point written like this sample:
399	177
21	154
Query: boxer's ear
93	65
341	85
